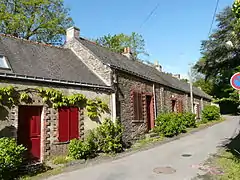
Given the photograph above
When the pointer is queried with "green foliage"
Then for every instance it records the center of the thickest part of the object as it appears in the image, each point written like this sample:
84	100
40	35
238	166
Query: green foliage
189	120
206	86
210	113
220	59
94	107
109	136
61	160
236	8
118	42
24	97
78	149
106	138
38	20
11	158
8	96
172	124
169	124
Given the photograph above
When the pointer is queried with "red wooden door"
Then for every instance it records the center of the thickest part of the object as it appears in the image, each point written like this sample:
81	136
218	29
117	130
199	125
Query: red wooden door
29	130
150	112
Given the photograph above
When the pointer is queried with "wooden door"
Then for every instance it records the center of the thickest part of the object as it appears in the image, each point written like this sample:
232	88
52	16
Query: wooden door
29	130
150	112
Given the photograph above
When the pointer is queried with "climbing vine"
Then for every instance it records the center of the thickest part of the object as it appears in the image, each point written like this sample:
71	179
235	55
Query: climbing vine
10	96
94	107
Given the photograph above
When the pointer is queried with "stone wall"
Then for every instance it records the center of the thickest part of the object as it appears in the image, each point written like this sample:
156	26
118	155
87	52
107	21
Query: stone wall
49	118
127	83
92	62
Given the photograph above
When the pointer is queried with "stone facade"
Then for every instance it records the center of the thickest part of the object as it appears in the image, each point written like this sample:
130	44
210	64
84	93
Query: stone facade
102	71
163	102
49	116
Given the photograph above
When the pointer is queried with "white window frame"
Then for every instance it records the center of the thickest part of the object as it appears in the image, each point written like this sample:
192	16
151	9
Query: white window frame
4	60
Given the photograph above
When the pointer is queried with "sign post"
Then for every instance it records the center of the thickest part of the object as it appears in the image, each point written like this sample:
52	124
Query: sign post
235	83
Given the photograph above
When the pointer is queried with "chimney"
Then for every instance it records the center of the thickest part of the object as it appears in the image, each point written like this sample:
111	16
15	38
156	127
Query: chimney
158	66
71	33
177	76
127	52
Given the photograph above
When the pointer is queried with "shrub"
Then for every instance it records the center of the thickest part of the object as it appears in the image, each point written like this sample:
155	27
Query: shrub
210	113
106	138
189	120
170	124
109	137
11	158
78	149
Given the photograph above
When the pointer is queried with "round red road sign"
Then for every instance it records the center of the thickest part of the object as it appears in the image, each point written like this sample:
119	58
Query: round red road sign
235	81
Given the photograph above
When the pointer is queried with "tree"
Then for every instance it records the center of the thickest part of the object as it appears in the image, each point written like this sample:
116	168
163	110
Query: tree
118	42
37	20
220	61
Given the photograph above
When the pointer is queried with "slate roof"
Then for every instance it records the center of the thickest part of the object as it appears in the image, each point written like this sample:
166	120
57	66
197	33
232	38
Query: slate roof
119	61
39	60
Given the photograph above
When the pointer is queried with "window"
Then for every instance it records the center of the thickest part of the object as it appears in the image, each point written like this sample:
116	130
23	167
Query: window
68	124
137	106
3	62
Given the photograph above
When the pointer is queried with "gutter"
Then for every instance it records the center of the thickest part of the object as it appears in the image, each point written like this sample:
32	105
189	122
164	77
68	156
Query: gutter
49	80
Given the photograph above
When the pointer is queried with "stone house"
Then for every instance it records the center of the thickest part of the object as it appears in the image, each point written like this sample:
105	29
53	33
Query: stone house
134	92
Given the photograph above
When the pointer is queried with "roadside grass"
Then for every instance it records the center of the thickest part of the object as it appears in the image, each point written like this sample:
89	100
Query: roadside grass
227	162
230	164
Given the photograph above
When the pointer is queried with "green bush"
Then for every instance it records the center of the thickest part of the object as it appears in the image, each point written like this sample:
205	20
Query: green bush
11	158
79	149
109	137
210	113
106	138
170	124
189	120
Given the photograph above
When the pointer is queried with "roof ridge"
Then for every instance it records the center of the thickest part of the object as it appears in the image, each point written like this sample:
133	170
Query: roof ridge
102	46
29	41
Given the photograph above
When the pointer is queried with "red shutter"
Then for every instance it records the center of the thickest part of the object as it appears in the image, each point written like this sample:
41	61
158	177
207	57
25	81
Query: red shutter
63	124
135	105
74	121
140	107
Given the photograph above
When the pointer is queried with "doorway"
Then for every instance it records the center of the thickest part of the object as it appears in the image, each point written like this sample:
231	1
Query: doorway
29	130
150	112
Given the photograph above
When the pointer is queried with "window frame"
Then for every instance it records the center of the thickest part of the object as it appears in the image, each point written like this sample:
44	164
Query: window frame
5	62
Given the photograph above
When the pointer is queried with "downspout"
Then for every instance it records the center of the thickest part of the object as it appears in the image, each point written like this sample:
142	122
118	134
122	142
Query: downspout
155	103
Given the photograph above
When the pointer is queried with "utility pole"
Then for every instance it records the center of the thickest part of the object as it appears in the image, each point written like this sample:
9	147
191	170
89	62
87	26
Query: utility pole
191	89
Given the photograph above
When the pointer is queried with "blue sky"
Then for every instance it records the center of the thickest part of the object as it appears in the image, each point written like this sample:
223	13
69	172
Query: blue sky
173	34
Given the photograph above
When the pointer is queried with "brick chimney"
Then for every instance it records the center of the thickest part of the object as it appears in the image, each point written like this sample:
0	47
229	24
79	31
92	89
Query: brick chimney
158	66
71	33
127	52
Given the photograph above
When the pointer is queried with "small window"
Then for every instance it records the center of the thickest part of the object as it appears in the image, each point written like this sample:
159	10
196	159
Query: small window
3	62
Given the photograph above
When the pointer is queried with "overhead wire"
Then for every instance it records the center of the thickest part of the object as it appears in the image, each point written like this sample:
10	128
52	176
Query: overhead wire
150	15
214	15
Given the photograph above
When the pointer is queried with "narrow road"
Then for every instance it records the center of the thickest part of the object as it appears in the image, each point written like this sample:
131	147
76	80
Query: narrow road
140	166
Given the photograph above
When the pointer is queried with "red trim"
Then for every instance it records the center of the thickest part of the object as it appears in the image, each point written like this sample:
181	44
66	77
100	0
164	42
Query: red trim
232	81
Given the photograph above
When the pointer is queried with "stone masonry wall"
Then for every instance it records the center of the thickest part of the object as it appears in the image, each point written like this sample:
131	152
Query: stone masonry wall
102	71
49	118
127	83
